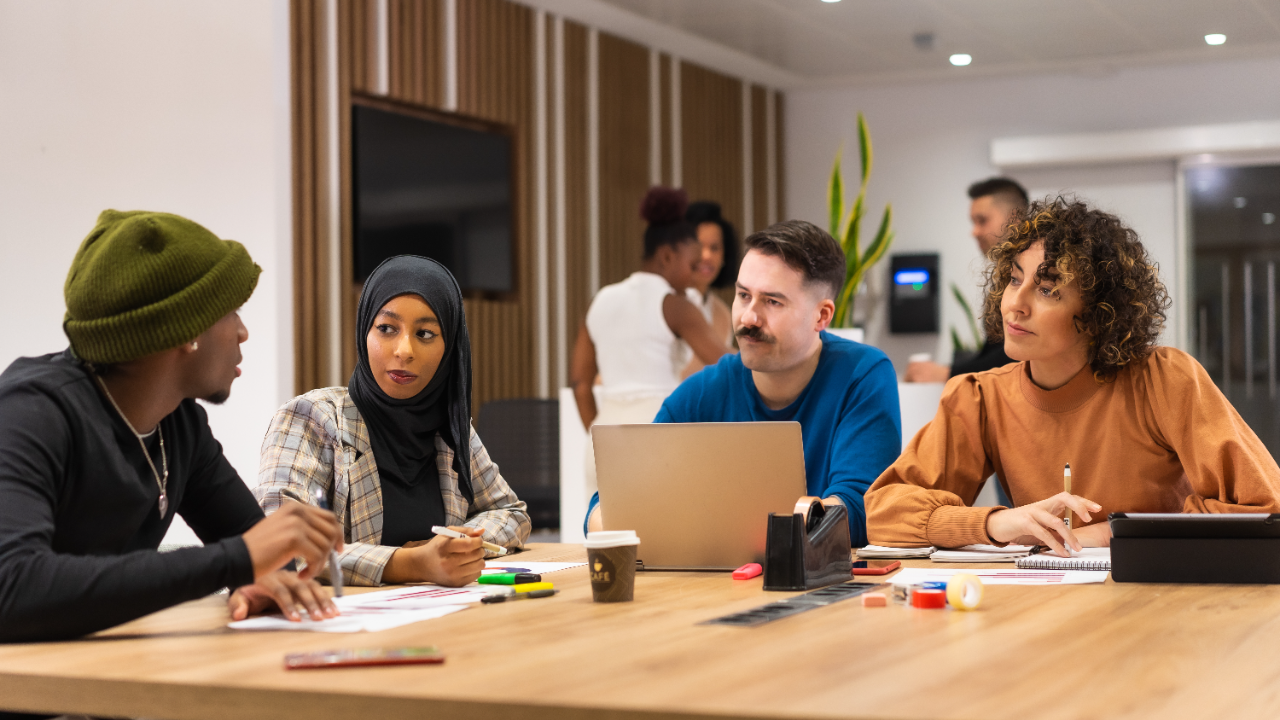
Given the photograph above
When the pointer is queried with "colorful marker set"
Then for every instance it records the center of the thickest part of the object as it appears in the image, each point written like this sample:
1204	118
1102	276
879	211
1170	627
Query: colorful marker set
515	586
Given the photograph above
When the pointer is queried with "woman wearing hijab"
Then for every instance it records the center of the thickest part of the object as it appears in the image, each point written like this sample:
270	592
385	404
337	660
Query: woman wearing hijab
384	450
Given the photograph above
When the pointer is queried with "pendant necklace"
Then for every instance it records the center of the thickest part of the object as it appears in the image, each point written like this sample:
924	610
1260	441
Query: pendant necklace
161	482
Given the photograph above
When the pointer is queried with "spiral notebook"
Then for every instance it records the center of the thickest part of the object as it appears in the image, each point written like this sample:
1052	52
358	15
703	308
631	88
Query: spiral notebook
1086	559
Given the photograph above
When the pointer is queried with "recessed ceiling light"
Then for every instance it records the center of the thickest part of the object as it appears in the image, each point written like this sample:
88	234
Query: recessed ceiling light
961	59
830	1
1240	202
1215	38
1268	218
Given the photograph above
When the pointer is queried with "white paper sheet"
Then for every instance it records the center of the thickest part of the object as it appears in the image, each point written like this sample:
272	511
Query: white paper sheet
892	553
911	576
380	610
983	553
493	567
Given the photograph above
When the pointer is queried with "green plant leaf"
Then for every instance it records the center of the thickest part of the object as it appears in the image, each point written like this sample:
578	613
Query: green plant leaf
849	243
864	147
835	195
968	314
956	344
882	241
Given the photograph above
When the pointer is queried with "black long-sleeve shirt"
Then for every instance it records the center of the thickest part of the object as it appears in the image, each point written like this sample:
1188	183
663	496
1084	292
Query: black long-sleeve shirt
79	517
990	356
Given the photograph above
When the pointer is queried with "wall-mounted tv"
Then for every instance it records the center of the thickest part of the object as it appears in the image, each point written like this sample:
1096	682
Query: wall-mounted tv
435	189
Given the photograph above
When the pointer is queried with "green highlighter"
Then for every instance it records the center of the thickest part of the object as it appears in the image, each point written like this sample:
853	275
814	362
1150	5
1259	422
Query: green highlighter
509	579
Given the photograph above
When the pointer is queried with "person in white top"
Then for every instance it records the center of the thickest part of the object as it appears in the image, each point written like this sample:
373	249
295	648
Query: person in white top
718	268
639	333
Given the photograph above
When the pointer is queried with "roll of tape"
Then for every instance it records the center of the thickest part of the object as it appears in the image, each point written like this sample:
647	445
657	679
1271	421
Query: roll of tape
964	591
804	504
928	599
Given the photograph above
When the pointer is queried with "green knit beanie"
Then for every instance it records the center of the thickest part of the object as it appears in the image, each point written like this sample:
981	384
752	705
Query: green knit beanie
143	282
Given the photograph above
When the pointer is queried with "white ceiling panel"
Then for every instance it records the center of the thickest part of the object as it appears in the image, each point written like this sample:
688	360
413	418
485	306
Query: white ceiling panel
871	39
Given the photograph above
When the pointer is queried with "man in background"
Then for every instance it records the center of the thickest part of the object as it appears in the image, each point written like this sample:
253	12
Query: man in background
843	394
995	201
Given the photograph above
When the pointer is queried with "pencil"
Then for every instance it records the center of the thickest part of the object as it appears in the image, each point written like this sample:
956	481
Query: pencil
1066	488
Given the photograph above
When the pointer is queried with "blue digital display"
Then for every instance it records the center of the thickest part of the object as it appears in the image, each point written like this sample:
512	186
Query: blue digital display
911	277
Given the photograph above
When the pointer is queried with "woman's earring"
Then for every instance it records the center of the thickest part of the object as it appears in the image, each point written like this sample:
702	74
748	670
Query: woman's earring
195	344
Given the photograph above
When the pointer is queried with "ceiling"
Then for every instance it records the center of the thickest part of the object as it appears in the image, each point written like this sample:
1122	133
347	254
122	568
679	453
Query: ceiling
855	40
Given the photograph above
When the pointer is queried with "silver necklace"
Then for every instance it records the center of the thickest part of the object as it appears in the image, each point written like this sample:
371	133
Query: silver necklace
161	482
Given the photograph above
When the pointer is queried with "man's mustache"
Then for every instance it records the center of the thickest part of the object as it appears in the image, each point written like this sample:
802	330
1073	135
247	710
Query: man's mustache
753	333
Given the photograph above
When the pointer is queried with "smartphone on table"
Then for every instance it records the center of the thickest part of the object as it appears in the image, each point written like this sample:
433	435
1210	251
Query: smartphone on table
875	567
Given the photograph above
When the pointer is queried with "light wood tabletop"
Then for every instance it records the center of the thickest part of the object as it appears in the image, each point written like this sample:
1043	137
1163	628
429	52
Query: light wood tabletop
1087	651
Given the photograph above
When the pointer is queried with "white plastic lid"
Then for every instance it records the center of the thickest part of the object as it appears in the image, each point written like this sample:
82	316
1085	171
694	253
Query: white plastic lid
920	357
611	538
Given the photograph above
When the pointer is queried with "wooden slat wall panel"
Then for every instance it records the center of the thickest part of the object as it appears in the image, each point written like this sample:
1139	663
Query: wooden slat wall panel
666	177
495	83
760	166
362	27
624	155
779	153
347	72
577	276
711	121
306	33
416	50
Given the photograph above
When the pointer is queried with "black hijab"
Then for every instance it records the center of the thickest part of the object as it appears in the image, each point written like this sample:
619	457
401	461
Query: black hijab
402	431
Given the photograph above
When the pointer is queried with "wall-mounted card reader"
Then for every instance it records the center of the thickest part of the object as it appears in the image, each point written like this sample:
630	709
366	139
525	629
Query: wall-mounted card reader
914	292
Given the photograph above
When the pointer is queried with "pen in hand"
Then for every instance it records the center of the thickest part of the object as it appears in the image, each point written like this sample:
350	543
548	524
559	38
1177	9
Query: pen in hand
442	530
335	567
1066	488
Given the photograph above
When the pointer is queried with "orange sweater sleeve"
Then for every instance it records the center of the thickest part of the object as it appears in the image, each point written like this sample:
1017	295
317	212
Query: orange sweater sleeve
923	498
1229	468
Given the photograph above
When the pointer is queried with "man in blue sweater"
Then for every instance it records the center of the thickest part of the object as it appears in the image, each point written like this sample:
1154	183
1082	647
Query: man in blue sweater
843	394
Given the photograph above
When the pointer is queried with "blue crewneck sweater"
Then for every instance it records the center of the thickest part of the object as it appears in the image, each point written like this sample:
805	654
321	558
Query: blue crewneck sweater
848	414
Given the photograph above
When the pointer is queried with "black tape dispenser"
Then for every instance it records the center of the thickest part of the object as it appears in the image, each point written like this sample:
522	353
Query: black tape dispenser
809	548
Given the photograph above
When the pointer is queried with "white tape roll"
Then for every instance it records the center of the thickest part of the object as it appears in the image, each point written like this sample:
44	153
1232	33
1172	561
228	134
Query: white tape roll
964	591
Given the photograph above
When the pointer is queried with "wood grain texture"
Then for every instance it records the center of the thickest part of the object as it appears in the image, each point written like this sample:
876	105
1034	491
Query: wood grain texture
306	69
711	121
624	155
1059	653
760	166
495	84
780	152
577	276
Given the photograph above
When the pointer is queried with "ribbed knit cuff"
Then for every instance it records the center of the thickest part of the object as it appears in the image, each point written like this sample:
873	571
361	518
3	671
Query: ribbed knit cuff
952	526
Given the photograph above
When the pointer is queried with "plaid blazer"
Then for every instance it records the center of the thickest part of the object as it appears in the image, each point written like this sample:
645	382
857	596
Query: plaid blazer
319	440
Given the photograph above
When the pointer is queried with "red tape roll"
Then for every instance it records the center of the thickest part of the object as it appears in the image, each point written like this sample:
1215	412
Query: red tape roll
929	599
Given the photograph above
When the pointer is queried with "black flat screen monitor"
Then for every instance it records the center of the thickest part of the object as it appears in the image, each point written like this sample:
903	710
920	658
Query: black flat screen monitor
433	189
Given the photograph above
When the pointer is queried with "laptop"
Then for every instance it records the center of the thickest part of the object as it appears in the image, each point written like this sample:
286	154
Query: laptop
698	494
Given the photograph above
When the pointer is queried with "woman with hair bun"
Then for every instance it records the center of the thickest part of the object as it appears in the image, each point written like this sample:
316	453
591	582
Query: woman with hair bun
1077	299
718	268
638	333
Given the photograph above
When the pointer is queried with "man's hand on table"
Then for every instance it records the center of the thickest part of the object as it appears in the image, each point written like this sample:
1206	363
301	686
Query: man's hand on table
285	590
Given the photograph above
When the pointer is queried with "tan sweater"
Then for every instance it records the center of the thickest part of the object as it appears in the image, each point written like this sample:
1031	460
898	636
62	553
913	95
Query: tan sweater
1160	438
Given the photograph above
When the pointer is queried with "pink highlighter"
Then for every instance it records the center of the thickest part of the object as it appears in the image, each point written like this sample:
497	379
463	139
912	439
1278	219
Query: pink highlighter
748	571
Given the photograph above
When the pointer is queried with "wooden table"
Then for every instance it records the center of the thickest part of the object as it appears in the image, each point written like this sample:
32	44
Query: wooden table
1116	651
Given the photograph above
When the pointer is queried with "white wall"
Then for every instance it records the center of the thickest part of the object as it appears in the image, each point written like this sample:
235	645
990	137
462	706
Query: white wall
932	140
156	105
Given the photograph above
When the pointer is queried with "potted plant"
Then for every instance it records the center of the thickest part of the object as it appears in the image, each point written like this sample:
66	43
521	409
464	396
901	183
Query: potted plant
960	350
846	229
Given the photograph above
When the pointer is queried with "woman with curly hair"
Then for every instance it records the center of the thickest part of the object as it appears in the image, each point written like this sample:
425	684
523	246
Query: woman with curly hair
1079	302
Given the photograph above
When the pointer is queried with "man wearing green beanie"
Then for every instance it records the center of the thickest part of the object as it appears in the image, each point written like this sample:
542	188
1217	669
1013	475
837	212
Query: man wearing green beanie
101	444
